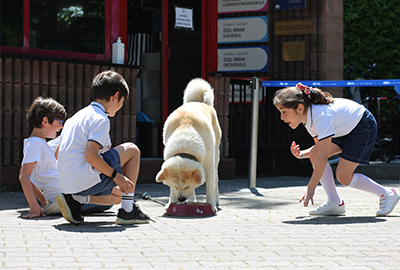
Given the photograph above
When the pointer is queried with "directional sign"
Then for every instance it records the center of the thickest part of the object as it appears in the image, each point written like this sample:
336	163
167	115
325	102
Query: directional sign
289	4
243	29
235	6
243	59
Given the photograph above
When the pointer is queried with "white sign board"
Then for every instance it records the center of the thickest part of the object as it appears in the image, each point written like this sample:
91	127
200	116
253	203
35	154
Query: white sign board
184	18
243	59
230	6
244	29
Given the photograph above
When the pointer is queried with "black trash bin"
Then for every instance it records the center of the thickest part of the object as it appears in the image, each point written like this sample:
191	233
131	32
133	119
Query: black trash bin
148	138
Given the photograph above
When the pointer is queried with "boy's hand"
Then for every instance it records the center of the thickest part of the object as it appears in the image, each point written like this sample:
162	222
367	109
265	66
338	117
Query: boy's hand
35	212
125	185
295	149
307	196
44	202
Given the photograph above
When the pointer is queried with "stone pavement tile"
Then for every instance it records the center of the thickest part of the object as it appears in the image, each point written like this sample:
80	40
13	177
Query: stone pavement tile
270	230
127	266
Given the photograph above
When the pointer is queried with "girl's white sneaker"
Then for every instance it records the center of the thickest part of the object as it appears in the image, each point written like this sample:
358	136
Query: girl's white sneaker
329	209
387	202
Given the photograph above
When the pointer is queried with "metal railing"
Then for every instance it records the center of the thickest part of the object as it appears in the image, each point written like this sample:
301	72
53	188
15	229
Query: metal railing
273	137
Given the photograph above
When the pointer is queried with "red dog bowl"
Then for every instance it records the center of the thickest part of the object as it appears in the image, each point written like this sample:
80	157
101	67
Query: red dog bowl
190	209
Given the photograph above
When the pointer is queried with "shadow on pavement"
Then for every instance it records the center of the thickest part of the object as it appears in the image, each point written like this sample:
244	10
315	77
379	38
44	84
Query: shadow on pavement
12	200
254	201
92	227
187	217
333	220
25	211
49	217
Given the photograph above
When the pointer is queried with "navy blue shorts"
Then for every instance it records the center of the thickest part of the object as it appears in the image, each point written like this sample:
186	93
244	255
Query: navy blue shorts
105	187
94	208
357	146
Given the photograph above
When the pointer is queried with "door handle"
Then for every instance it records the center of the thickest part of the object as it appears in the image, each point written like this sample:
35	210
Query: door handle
167	53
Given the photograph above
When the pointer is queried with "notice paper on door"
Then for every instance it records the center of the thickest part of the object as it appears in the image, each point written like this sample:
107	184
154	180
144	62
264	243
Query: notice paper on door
184	18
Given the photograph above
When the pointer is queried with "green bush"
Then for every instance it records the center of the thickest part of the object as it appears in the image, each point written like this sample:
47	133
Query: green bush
372	35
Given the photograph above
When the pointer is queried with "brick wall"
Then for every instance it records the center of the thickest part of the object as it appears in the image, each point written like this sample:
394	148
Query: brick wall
323	47
22	80
221	87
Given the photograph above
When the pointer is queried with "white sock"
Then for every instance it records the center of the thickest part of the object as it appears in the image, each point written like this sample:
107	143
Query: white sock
127	201
328	184
364	183
81	199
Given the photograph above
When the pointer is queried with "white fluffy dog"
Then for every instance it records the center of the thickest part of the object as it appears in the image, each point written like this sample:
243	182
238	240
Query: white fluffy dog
192	137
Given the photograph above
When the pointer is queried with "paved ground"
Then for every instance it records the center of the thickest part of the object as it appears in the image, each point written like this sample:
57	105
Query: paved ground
270	230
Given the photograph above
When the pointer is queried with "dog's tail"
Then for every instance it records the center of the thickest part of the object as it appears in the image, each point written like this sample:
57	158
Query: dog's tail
199	90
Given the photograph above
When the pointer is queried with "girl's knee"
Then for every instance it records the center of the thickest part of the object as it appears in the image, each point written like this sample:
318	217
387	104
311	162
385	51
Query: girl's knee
344	177
313	155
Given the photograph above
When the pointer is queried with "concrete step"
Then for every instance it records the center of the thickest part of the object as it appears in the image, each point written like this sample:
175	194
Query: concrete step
379	170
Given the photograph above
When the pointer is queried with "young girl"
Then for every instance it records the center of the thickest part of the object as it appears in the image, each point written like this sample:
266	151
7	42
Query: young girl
338	126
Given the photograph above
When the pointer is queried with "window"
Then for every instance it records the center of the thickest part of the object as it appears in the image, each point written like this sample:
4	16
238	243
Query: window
74	29
68	25
11	23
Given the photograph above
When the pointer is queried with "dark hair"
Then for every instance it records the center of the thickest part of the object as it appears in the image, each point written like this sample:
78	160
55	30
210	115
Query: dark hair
44	107
291	97
107	83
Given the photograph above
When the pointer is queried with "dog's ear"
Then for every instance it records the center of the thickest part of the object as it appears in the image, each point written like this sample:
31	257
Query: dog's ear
196	177
162	175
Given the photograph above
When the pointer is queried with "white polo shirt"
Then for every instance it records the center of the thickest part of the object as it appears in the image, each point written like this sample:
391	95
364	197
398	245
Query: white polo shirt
89	124
45	174
336	119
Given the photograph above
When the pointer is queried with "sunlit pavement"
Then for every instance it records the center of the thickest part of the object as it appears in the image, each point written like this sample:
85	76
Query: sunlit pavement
263	229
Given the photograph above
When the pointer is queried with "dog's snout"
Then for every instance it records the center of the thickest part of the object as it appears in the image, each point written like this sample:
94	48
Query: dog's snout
181	199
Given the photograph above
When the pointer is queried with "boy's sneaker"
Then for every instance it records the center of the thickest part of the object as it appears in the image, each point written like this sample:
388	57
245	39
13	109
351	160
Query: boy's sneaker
70	209
136	216
329	209
51	208
387	202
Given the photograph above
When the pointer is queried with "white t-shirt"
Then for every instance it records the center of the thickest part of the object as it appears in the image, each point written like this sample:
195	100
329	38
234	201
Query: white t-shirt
45	174
336	119
89	124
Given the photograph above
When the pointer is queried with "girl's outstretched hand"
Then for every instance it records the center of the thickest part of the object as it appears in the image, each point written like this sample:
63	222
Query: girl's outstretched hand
308	196
295	149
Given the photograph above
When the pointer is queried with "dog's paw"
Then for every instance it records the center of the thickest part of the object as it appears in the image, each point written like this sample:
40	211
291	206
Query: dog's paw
213	206
167	206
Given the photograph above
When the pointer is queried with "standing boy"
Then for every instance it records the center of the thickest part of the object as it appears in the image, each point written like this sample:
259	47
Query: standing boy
87	166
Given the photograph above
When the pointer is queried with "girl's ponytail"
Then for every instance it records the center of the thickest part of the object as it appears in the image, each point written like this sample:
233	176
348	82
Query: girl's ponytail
316	95
291	97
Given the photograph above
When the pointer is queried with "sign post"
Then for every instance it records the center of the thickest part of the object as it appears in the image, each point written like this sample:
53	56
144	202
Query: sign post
255	85
254	132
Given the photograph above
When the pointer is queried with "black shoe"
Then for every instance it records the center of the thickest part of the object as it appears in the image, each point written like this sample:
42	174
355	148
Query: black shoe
70	209
136	216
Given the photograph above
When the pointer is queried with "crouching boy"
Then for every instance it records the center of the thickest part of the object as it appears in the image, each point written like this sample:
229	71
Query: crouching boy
87	166
38	174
